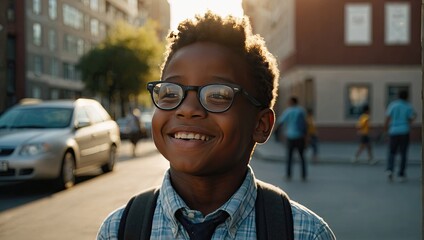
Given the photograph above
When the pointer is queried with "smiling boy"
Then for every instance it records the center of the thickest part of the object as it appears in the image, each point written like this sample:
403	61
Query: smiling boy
214	104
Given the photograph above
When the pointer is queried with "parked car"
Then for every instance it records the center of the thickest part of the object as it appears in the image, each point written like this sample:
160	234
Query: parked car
56	140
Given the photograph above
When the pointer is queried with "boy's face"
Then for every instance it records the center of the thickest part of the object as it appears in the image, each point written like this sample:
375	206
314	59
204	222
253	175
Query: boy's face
228	136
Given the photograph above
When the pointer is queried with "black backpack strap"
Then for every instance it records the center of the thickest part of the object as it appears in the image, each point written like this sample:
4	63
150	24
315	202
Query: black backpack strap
137	218
274	219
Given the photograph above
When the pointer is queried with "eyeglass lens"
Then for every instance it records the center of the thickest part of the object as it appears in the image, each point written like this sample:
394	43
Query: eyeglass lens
214	98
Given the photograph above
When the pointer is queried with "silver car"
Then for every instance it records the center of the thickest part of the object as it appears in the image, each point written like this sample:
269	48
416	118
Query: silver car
56	140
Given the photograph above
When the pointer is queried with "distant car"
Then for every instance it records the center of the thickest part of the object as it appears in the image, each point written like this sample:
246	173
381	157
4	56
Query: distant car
146	118
56	140
124	129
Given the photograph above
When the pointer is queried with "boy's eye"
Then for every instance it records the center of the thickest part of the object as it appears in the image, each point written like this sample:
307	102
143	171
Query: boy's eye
218	94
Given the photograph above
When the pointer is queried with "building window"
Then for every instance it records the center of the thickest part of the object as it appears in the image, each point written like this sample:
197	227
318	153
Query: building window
54	67
94	27
72	17
52	40
94	5
38	65
68	71
357	97
72	44
358	24
53	9
11	11
36	6
80	47
36	92
397	23
11	62
393	91
54	94
36	34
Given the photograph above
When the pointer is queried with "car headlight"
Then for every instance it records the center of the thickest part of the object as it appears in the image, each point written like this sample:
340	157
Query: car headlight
34	149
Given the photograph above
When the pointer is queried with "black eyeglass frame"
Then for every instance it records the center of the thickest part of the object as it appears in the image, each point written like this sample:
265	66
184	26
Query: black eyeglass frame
236	88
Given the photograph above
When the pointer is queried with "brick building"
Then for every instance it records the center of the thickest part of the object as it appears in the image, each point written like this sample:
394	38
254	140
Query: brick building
44	39
337	56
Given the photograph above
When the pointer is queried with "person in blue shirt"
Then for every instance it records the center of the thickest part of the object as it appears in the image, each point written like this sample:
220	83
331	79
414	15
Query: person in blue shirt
399	117
293	119
213	105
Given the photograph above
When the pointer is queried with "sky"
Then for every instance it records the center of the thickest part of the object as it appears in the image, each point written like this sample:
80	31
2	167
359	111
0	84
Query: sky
182	9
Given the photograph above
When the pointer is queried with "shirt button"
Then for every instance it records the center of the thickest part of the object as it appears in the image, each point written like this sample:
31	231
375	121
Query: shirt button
190	215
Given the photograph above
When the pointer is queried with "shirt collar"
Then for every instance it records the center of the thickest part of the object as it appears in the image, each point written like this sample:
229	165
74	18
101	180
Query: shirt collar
239	206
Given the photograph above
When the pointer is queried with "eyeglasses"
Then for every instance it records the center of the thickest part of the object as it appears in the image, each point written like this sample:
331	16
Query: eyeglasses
215	98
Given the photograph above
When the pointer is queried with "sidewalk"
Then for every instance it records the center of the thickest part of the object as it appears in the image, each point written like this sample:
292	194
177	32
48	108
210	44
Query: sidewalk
334	152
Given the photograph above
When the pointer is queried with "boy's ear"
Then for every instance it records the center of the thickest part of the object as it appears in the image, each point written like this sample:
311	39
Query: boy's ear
264	125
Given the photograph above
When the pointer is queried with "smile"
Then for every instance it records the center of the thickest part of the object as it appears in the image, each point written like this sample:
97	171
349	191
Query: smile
191	136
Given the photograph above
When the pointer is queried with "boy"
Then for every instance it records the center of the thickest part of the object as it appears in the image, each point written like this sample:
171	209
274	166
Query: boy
214	103
363	126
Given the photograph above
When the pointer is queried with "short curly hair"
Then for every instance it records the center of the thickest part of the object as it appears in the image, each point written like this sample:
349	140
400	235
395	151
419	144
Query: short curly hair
236	34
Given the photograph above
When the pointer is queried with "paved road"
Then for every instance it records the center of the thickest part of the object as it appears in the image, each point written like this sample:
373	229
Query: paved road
356	200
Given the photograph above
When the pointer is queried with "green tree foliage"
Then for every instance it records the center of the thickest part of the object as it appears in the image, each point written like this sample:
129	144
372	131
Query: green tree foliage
120	66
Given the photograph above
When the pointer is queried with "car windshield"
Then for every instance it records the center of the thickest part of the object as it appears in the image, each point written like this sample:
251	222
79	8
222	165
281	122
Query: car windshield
36	118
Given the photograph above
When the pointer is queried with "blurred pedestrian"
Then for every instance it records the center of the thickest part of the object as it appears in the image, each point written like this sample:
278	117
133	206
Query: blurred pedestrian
399	117
312	135
135	128
293	119
363	127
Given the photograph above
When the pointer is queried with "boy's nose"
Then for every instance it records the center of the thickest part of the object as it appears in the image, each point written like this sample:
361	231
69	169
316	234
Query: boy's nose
191	106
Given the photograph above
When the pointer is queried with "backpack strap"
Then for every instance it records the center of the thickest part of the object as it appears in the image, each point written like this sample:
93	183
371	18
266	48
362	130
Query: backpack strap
273	214
274	218
137	218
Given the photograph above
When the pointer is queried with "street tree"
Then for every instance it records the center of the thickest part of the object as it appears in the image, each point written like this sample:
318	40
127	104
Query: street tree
120	66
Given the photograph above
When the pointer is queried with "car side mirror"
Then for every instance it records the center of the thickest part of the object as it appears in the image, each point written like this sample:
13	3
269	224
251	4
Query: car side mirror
82	123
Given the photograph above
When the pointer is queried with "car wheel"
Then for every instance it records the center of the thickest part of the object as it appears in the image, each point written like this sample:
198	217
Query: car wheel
67	174
108	167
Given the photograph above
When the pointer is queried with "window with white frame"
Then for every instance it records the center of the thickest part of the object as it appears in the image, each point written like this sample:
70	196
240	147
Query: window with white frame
358	24
72	17
397	23
36	6
94	27
53	9
36	34
94	5
358	95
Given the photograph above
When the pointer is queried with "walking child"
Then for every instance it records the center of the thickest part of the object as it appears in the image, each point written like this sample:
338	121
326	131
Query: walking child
363	126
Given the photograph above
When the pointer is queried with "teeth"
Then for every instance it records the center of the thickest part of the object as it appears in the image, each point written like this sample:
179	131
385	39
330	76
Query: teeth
191	136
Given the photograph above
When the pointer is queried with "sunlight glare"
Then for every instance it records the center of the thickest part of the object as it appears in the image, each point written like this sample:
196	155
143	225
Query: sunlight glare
182	9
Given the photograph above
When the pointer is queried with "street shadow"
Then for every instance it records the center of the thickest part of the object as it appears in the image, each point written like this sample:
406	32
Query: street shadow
15	194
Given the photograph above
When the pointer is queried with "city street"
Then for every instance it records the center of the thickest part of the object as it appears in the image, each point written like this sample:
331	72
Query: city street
355	200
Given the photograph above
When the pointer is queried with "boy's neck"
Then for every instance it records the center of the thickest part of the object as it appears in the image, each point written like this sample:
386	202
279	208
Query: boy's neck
206	193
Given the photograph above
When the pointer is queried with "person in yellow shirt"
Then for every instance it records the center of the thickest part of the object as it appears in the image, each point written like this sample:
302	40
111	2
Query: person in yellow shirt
312	136
363	126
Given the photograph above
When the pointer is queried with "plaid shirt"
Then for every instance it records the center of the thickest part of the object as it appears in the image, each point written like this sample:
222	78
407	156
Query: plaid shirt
240	224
